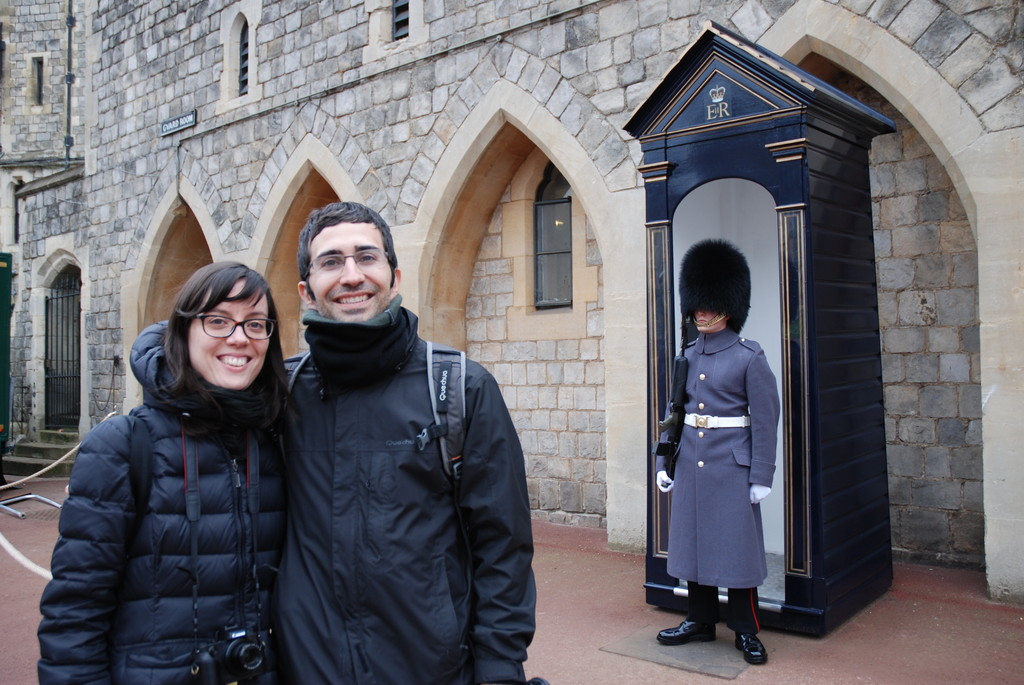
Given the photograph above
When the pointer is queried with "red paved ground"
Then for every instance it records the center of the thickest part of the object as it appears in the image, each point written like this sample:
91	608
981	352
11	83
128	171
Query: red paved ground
934	626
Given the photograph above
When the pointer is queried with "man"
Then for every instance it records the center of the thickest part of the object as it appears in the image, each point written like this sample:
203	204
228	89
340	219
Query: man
726	456
379	583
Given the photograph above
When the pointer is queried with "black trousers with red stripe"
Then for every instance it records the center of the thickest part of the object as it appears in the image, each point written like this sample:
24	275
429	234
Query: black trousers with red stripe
742	609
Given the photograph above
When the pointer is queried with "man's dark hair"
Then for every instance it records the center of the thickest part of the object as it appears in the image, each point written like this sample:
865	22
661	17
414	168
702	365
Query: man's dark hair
342	213
204	290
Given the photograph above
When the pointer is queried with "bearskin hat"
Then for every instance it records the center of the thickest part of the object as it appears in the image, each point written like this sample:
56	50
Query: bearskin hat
714	276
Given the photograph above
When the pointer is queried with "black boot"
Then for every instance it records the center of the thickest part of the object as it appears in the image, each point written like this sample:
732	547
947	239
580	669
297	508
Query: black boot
753	651
688	631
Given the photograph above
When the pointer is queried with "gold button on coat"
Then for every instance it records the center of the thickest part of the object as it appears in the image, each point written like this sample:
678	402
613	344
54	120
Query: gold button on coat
700	464
700	406
702	376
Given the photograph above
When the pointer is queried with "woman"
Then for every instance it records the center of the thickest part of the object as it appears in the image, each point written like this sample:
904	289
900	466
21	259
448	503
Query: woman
160	591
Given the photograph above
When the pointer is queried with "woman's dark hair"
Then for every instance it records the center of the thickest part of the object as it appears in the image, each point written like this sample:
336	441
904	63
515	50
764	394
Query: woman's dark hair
205	289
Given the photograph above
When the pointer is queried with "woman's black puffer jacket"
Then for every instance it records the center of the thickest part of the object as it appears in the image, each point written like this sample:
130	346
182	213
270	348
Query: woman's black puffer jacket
120	607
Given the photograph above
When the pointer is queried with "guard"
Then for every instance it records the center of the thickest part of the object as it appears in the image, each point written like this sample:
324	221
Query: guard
725	460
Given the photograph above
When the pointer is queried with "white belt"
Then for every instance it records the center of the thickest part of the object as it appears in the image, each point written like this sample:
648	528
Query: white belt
699	421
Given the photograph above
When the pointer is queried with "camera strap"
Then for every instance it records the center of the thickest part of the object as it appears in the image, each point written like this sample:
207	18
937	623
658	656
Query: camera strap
193	511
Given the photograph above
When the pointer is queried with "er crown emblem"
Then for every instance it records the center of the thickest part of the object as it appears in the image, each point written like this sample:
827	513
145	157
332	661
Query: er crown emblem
718	94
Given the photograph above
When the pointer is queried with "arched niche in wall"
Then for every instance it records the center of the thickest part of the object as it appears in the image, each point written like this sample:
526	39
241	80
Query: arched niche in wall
182	251
282	271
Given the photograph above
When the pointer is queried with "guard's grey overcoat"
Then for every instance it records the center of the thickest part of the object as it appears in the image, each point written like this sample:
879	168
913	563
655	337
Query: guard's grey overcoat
715	534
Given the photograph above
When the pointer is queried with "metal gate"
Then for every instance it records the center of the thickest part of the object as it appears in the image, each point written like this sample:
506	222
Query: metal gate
63	350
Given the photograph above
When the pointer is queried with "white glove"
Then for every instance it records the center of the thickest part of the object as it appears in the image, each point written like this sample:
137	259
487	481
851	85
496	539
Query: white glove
664	482
758	493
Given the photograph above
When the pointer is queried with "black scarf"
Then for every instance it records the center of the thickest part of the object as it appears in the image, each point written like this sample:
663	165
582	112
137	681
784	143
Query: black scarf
243	408
357	354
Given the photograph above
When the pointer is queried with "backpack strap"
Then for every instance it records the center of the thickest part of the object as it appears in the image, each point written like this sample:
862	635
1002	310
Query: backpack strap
446	381
140	469
294	373
140	466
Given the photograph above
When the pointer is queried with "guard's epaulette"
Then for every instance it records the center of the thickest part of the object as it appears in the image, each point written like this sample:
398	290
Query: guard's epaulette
750	344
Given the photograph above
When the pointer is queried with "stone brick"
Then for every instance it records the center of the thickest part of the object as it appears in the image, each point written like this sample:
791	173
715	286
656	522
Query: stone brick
943	339
936	462
970	401
965	270
937	494
919	431
973	496
992	83
924	530
943	37
901	399
965	463
618	20
954	368
922	368
938	401
968	531
595	497
895	274
957	306
911	241
899	490
751	19
952	432
905	460
914	20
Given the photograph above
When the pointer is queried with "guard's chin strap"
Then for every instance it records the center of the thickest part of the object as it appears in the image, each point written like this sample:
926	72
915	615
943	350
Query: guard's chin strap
713	321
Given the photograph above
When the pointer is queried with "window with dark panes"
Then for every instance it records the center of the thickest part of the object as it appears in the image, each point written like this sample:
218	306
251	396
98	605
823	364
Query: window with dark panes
243	59
552	221
37	80
400	19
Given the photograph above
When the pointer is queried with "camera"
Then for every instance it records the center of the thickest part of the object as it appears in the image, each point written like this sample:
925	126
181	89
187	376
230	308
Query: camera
239	655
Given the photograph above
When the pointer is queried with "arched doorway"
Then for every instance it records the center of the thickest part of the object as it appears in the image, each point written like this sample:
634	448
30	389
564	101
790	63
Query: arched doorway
63	359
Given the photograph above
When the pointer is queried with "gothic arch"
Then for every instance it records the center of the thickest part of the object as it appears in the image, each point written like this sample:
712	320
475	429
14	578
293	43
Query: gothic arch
504	117
504	126
985	168
866	50
180	237
311	177
48	270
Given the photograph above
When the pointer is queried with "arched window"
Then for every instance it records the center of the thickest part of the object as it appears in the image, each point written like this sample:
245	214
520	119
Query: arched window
243	59
552	222
240	74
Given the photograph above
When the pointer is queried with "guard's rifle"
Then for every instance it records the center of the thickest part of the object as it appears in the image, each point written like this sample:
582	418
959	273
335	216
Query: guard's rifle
672	425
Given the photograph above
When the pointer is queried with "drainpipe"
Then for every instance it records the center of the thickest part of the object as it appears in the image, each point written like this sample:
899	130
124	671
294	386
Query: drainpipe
69	78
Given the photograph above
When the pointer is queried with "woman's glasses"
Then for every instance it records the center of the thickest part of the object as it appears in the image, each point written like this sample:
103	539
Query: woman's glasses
217	326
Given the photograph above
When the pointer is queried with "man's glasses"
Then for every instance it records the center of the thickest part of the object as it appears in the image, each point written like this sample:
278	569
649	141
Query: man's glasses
217	326
365	260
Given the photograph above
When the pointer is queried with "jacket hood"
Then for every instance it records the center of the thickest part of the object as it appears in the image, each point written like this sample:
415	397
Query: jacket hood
149	366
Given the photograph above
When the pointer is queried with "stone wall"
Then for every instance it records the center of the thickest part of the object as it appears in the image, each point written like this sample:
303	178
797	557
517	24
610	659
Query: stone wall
37	29
387	113
928	307
554	389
